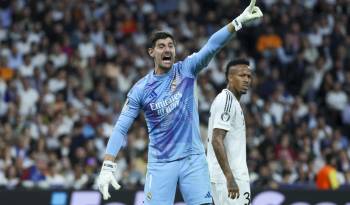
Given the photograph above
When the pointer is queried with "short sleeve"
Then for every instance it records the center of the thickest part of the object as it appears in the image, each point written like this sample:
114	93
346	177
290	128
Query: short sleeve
223	111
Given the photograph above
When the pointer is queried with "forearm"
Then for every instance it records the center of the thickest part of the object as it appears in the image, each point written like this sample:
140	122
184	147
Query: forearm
220	151
218	40
114	144
117	137
222	36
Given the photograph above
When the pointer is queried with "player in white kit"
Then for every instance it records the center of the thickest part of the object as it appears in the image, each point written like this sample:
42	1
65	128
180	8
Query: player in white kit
226	152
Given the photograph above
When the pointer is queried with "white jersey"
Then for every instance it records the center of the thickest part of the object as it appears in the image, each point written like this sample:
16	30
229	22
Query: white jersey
226	113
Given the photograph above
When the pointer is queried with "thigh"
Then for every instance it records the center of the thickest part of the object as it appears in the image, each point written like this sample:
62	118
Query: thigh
220	194
194	180
161	182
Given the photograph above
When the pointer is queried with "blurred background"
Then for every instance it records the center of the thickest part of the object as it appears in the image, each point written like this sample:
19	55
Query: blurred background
66	67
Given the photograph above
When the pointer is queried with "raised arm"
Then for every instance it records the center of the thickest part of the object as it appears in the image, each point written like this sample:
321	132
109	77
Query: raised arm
197	61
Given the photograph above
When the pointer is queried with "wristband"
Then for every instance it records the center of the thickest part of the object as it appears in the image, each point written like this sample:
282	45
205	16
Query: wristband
236	24
109	166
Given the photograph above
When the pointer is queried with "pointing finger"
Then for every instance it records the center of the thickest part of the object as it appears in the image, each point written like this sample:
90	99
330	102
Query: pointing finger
252	4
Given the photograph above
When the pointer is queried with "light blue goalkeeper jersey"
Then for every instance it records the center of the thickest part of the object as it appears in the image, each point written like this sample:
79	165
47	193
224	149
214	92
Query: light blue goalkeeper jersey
169	105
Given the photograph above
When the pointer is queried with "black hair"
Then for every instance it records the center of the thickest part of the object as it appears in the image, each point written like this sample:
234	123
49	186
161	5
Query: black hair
159	35
235	62
329	157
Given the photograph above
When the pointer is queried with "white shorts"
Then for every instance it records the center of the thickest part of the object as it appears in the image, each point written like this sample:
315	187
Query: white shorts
219	192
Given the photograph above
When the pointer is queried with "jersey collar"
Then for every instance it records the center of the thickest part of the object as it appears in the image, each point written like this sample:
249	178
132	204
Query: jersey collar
231	93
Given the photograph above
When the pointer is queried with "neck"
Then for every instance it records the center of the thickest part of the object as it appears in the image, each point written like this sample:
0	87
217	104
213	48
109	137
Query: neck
235	92
159	70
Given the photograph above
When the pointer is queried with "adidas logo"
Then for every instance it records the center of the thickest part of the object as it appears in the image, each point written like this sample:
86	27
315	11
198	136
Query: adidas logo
208	195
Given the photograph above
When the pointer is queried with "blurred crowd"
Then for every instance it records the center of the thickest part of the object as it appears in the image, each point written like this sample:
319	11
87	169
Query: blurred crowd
66	67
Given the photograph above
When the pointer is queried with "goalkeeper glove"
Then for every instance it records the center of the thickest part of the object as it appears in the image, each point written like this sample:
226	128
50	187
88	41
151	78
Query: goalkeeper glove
250	13
106	177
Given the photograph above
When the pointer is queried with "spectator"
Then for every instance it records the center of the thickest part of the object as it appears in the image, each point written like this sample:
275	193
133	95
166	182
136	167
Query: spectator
337	98
327	177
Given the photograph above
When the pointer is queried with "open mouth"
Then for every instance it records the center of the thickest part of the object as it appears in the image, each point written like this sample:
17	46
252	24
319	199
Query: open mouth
166	59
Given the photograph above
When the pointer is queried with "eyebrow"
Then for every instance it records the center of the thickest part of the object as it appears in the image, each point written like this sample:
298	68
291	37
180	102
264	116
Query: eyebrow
163	44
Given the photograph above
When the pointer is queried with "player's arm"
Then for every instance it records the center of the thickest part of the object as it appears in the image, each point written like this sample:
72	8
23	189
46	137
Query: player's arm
221	156
198	61
130	111
223	113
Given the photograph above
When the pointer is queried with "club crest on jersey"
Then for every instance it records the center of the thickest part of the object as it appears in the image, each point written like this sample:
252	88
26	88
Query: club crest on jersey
225	116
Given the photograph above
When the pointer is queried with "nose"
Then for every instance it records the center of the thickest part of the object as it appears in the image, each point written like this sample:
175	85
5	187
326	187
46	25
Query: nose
166	49
246	81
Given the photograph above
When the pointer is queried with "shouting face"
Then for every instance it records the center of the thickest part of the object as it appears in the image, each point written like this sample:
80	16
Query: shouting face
163	53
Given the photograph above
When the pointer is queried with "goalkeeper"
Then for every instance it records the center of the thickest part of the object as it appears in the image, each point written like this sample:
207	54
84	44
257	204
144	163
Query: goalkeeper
166	96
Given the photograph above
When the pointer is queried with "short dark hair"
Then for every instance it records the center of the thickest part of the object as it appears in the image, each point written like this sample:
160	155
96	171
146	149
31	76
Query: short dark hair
329	157
159	35
235	62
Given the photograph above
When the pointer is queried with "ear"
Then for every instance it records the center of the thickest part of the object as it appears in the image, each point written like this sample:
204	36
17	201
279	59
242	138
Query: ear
151	52
229	78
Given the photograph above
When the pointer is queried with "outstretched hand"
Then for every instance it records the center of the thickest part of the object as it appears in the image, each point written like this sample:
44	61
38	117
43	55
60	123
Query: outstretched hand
250	13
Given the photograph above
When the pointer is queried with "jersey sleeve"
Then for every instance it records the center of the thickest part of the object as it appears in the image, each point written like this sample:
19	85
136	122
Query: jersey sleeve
130	111
197	61
224	112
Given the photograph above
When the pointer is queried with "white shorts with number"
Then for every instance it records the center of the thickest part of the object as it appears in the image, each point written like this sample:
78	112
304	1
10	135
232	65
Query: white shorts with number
219	192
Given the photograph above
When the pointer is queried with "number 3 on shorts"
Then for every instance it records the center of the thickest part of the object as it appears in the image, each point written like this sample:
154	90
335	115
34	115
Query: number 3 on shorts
247	196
